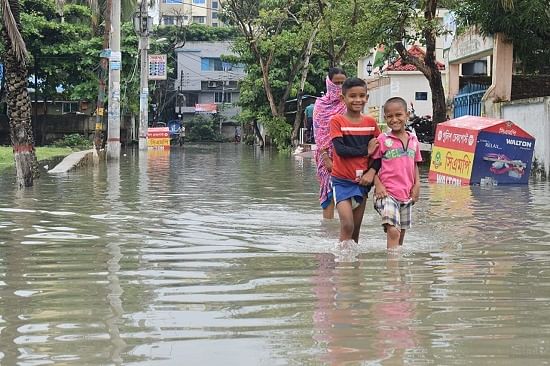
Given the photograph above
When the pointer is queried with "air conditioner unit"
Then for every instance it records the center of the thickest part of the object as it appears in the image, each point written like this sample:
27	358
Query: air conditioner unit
212	84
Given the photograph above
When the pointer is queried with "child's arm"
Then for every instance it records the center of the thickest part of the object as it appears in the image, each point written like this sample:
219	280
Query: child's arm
368	175
379	188
415	191
345	150
327	162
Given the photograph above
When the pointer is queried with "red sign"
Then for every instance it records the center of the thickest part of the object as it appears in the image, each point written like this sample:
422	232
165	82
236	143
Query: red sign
456	138
206	108
158	137
508	128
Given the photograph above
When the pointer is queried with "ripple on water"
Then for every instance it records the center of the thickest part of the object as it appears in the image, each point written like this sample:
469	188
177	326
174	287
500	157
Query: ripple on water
219	255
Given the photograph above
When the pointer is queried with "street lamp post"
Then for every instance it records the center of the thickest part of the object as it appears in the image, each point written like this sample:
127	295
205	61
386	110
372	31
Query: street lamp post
369	68
142	26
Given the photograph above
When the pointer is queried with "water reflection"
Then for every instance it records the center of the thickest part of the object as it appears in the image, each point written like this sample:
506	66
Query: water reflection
217	255
352	327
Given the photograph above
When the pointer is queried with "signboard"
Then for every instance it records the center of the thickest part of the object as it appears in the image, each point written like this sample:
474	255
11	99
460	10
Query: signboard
470	46
452	163
480	150
157	67
115	65
206	108
158	138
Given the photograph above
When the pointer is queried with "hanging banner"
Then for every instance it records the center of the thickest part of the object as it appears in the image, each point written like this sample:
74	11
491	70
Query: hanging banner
157	67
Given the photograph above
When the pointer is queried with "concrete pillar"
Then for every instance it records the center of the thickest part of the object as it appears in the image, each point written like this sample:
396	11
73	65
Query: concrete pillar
454	79
503	63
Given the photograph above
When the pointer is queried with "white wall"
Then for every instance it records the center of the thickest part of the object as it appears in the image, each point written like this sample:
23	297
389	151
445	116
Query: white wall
532	115
404	84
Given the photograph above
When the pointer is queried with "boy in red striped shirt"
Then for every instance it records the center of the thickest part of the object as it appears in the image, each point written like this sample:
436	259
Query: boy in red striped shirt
353	136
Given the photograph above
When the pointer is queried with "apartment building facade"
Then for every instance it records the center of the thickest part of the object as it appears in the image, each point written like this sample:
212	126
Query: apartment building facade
183	12
206	83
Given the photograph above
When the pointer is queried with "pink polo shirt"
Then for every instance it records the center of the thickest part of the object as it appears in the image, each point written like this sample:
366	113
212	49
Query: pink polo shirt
398	164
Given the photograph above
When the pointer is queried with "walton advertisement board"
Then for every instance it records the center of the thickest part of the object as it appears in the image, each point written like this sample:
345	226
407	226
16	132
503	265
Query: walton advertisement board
480	150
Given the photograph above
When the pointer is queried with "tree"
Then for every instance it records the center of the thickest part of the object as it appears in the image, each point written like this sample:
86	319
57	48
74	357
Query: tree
19	104
402	23
275	32
525	22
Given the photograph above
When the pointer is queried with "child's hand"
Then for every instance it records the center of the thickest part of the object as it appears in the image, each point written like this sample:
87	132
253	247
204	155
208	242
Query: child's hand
379	189
415	192
327	163
373	146
367	178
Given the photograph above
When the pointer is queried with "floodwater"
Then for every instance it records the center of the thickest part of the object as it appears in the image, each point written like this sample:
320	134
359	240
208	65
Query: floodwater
216	255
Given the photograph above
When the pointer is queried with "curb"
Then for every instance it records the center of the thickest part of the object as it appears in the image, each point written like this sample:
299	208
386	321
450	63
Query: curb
74	160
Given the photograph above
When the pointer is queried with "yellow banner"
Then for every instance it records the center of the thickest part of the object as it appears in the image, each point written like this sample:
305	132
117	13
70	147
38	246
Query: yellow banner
155	142
452	162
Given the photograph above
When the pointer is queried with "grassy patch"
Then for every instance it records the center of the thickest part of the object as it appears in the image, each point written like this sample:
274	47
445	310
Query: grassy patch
42	153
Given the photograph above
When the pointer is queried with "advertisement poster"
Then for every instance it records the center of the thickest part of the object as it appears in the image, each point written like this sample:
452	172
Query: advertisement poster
157	67
158	138
503	159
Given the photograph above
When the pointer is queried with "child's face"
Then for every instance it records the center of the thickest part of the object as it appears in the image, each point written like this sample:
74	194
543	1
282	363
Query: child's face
396	116
355	98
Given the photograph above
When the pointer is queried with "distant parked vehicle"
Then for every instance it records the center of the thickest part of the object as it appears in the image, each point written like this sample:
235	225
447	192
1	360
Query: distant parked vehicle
176	129
422	126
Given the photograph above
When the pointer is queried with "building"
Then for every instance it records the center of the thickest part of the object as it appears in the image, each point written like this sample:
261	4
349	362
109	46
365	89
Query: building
389	78
404	80
206	83
183	12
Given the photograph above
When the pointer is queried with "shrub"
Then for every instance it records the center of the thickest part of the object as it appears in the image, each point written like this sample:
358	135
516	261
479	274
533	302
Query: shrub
74	140
204	129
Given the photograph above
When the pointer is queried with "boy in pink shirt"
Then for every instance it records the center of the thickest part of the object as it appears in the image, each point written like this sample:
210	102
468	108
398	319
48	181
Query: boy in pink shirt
397	184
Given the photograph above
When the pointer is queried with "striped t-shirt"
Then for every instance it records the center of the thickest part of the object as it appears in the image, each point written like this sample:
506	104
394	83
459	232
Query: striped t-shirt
354	135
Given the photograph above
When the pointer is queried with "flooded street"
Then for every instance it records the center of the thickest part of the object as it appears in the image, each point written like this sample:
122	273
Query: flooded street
217	255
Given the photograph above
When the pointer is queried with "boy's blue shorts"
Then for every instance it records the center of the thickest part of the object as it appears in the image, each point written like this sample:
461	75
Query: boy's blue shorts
343	189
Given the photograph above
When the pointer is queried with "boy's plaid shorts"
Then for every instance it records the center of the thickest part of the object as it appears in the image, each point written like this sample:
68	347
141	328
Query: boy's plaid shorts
394	212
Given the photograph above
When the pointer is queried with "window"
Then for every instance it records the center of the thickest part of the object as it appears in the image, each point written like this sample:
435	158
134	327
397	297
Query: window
214	64
220	97
214	24
199	1
421	96
190	99
200	20
69	107
168	20
173	1
214	15
214	4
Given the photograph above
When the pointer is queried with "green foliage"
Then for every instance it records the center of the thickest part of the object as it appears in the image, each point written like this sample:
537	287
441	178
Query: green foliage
74	140
279	131
194	32
203	129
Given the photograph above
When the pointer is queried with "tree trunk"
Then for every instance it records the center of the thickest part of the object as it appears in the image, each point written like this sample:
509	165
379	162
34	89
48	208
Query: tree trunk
428	65
19	110
258	133
305	69
439	107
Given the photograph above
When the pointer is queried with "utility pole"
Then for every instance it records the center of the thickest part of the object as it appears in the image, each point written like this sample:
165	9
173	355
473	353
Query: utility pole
115	64
142	26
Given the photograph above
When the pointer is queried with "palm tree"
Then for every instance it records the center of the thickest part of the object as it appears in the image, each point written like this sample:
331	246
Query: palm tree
507	4
19	103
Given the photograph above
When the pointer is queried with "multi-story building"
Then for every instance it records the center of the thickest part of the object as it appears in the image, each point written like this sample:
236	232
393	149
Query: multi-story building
206	83
183	12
